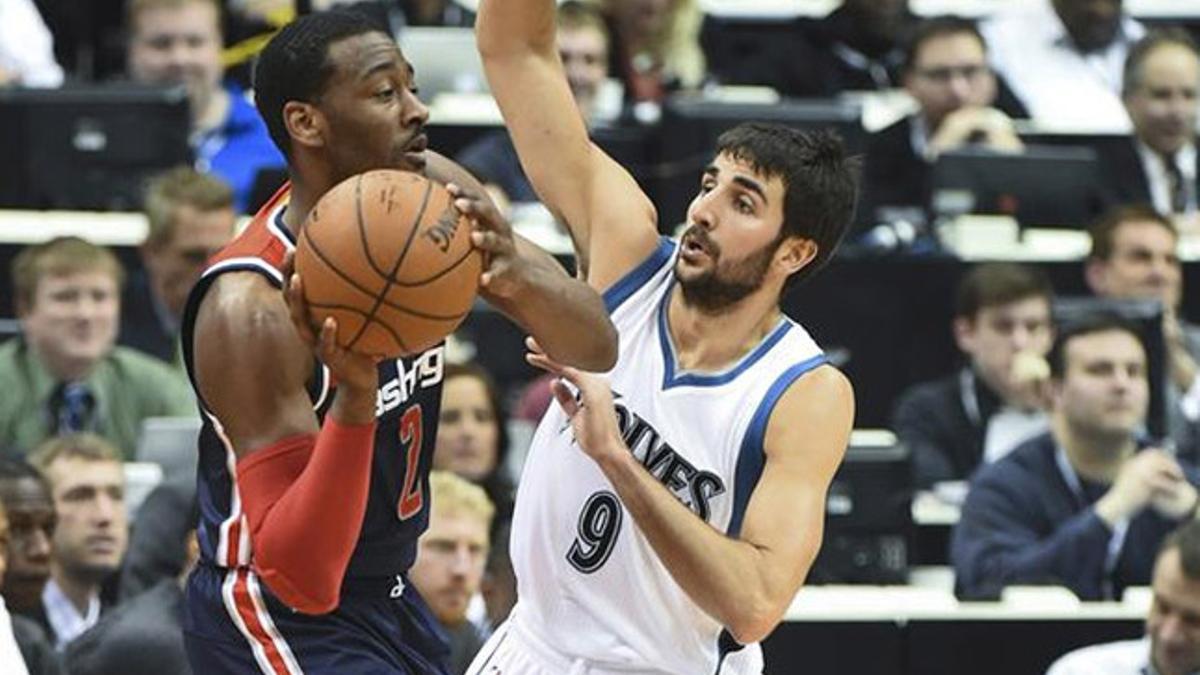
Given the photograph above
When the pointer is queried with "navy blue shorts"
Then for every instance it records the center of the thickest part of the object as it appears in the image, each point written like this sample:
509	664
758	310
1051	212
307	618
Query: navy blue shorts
233	624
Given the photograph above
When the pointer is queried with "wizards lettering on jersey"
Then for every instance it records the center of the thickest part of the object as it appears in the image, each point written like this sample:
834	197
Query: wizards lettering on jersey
691	486
423	372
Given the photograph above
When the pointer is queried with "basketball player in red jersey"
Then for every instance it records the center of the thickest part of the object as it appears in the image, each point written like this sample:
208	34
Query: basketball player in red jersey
313	473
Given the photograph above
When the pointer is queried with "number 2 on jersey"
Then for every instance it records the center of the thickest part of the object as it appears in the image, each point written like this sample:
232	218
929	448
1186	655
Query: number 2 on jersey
599	525
411	498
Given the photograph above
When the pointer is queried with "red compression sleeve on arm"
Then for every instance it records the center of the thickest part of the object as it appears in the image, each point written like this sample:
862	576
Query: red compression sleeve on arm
304	498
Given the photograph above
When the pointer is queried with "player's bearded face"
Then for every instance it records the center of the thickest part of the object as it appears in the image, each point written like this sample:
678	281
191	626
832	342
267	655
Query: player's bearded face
723	282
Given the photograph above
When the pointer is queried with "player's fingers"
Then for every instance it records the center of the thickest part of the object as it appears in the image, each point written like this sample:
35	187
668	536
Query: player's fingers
299	310
541	361
566	399
532	345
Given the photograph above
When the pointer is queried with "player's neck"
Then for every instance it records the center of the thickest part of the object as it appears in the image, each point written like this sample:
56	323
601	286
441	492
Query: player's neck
711	341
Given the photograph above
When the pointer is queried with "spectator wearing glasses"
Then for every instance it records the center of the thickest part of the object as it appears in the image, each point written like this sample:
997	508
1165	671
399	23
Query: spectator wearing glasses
946	70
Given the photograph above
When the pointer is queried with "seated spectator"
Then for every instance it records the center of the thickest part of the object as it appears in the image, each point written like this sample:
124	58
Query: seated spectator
583	44
64	373
472	441
1133	256
87	482
26	47
1064	58
1083	506
1157	164
655	47
178	42
23	645
143	635
1002	325
857	47
158	545
31	520
1172	642
499	586
946	71
450	560
191	217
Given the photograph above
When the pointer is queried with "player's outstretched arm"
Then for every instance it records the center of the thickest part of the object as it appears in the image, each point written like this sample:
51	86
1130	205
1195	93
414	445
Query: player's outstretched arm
302	487
745	581
612	223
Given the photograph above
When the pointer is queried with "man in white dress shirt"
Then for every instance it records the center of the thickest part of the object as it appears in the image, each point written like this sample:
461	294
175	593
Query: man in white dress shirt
1172	642
1064	59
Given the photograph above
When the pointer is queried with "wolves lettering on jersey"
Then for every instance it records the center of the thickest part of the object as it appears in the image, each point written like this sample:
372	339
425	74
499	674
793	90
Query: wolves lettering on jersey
691	486
408	405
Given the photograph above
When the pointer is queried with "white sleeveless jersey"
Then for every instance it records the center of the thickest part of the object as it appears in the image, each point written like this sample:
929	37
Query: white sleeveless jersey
589	582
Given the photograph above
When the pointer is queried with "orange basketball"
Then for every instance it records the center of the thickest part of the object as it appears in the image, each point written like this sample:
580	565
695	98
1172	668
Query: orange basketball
389	257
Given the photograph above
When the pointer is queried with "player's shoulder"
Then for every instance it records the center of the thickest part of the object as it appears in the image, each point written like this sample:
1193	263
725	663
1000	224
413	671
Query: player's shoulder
815	408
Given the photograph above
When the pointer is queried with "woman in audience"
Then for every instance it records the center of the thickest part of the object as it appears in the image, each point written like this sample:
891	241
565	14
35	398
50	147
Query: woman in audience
471	439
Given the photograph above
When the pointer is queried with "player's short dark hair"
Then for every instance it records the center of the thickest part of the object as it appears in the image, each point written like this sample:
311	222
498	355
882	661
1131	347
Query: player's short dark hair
295	66
1142	49
1186	538
1104	230
820	182
1089	324
939	27
999	283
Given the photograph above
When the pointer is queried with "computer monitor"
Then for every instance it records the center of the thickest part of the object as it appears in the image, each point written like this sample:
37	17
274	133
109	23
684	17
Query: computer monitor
90	147
1044	186
444	58
690	127
1147	315
868	514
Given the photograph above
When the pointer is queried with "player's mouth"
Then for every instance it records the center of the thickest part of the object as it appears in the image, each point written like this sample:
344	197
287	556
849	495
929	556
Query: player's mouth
102	544
693	248
414	152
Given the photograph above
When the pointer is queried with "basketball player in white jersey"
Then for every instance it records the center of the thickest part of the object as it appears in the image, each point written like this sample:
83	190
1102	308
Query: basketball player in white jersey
670	510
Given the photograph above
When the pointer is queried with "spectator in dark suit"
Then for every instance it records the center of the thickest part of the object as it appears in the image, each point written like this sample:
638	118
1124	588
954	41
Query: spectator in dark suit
23	645
1086	505
144	634
1157	165
1134	257
190	217
946	70
1002	324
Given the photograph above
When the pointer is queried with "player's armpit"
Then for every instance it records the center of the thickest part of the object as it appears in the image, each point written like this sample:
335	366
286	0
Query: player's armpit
805	441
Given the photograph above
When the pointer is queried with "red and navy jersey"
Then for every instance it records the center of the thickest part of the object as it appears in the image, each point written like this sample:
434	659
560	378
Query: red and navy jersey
407	410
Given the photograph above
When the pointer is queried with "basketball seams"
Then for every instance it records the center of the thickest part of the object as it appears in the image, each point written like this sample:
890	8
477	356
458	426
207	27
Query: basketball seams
439	275
389	279
362	228
366	319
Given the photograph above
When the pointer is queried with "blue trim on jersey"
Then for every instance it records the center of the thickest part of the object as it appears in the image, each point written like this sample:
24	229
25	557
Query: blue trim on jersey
281	227
751	457
635	279
700	380
726	645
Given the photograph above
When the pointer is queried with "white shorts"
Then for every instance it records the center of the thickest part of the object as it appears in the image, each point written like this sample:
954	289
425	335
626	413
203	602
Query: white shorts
515	650
512	650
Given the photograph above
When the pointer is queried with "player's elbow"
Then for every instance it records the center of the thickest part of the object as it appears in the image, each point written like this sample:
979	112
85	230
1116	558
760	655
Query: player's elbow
603	353
753	622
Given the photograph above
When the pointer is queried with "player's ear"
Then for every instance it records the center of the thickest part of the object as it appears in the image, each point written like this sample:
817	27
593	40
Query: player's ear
795	252
305	124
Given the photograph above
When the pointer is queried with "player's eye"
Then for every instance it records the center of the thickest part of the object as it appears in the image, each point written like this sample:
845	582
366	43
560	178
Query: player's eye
385	94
